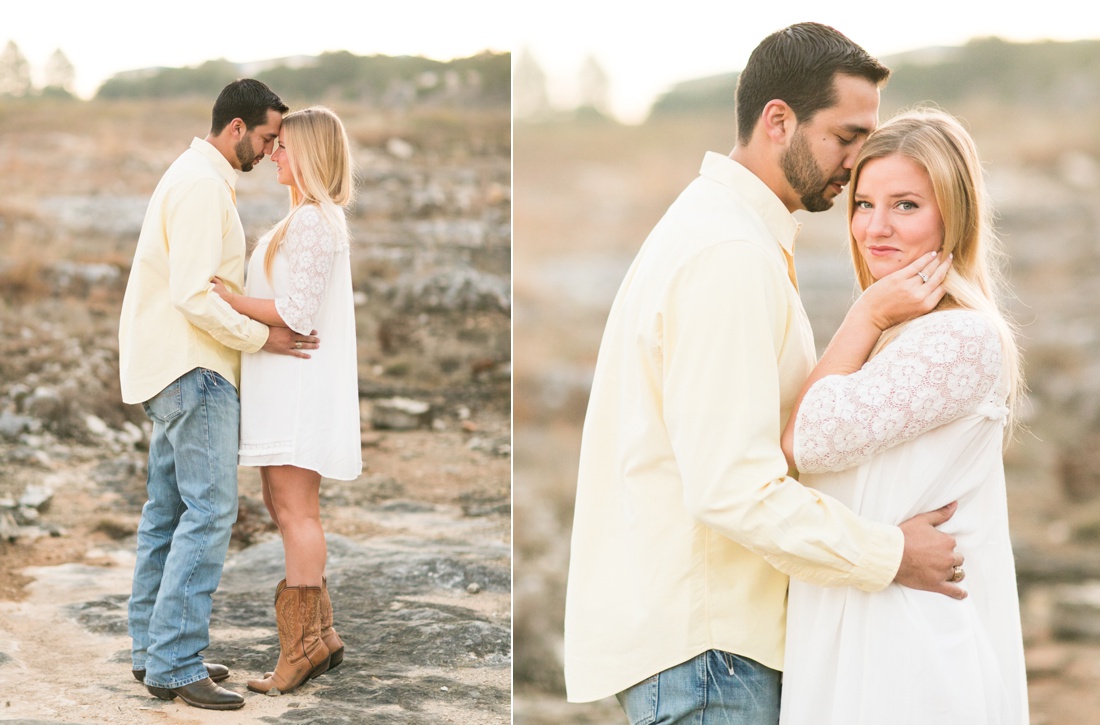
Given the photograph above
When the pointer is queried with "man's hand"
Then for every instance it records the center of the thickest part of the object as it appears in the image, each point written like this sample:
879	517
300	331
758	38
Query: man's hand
929	559
284	341
912	291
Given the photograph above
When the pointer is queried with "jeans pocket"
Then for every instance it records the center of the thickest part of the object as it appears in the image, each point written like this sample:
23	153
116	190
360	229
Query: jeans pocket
732	662
640	701
213	379
165	405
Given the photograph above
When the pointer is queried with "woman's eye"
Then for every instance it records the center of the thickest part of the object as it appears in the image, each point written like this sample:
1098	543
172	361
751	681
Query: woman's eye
863	205
906	205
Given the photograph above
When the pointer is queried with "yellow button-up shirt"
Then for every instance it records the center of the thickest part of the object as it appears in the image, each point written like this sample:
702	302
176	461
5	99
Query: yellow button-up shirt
172	321
687	523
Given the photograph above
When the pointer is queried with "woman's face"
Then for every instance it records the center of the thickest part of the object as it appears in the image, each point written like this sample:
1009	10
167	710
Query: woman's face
281	157
895	217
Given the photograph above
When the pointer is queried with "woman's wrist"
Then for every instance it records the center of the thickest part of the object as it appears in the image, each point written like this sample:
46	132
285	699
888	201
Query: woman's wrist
864	314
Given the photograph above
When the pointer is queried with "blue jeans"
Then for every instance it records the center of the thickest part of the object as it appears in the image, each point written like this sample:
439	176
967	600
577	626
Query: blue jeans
185	525
714	688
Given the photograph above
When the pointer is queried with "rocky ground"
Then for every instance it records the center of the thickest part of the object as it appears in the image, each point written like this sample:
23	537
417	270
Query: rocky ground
419	572
419	546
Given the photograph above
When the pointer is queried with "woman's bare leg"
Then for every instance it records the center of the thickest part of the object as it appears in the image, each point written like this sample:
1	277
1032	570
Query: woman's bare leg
266	490
295	500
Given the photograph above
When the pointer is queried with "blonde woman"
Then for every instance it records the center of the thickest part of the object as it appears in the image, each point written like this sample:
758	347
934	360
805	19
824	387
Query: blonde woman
896	421
300	417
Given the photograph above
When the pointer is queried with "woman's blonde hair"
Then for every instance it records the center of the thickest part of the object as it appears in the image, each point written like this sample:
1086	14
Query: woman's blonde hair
939	144
319	157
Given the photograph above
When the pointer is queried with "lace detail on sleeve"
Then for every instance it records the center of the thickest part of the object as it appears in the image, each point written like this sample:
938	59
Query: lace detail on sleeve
942	367
310	244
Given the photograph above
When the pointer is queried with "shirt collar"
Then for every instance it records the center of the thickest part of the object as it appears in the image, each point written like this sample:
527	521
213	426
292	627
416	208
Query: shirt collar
218	161
780	222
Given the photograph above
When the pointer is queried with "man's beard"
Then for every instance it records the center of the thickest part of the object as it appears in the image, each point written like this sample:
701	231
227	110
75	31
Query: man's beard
245	154
805	177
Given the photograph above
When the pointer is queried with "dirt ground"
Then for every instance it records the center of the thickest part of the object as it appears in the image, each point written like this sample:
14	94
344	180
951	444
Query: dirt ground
465	489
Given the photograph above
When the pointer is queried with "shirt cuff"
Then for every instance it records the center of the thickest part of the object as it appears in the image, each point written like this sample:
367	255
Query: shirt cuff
257	337
884	547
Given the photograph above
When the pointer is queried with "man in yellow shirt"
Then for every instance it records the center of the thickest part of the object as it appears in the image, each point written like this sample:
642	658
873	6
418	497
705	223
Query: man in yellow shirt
687	523
179	356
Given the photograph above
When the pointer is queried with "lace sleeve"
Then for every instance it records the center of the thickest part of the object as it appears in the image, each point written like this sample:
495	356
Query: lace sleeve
939	369
310	245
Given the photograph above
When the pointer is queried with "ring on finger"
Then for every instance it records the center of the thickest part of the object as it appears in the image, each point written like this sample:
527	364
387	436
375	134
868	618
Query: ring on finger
298	345
957	574
923	277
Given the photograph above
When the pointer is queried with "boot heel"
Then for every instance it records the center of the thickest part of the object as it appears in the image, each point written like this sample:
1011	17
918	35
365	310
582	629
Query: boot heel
320	669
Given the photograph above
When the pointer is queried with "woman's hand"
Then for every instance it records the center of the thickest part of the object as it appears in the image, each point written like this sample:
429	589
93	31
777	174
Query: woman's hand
910	292
219	287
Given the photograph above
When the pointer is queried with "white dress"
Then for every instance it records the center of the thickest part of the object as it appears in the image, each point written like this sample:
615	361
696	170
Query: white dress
919	426
300	412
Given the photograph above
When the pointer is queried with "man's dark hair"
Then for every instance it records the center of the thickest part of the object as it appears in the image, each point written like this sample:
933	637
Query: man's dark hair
247	99
798	65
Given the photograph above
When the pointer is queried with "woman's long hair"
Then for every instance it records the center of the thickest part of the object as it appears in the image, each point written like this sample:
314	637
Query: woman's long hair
939	144
319	157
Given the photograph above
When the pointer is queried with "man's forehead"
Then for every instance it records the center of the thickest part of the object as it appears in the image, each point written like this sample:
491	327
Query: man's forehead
856	107
274	123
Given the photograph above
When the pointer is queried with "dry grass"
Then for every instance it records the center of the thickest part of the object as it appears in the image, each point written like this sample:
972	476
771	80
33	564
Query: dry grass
74	180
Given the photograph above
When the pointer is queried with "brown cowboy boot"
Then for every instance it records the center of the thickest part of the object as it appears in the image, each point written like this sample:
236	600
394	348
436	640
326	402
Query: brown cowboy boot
328	634
302	653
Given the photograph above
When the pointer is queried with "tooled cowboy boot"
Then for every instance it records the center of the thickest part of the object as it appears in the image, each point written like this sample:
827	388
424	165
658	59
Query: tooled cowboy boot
328	634
302	652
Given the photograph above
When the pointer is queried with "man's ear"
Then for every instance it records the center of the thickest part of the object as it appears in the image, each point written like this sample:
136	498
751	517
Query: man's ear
238	128
778	121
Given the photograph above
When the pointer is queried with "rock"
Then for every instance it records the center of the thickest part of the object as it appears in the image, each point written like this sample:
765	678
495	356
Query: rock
12	426
454	289
400	414
9	529
1075	612
18	392
67	272
400	148
47	405
96	426
395	653
36	497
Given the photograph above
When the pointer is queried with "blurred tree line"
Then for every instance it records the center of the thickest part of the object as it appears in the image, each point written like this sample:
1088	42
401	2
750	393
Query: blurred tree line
378	79
58	74
1044	74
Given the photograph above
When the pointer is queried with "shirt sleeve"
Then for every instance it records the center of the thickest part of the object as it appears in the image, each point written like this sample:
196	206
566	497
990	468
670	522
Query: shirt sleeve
195	220
941	368
310	245
722	331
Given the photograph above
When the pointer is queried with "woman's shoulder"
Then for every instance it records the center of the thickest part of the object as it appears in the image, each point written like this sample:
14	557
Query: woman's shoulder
953	335
312	217
307	214
965	322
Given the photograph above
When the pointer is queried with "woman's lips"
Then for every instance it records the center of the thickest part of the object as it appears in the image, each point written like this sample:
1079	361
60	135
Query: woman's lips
878	251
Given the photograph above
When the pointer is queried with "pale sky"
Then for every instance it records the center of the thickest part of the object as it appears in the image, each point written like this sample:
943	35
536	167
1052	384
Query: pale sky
646	47
104	37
